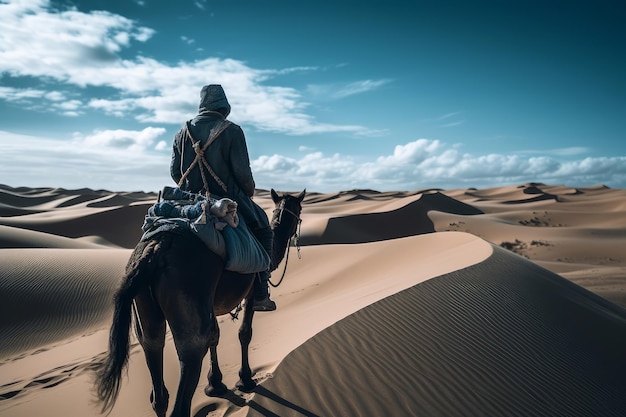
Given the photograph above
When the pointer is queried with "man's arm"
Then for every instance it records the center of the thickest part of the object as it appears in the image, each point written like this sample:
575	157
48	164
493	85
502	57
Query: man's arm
176	160
241	161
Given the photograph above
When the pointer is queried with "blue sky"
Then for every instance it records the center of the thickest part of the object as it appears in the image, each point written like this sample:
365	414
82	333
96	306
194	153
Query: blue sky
332	95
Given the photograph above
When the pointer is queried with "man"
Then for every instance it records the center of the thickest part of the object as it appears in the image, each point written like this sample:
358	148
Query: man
225	171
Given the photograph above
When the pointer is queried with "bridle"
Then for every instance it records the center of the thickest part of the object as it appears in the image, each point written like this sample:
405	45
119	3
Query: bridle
277	217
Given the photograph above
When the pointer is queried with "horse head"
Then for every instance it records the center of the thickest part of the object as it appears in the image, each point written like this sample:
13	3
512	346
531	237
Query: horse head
290	206
285	223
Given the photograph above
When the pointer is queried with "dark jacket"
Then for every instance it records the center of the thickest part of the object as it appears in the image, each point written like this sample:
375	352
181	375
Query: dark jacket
227	156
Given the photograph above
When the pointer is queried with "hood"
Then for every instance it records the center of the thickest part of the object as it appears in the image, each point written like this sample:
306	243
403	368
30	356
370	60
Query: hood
212	97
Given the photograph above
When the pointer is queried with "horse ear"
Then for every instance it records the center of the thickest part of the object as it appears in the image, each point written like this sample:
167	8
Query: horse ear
275	196
301	196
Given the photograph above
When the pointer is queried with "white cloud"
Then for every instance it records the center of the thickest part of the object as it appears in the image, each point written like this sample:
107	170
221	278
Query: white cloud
86	49
449	119
427	163
449	115
359	87
339	91
411	153
42	100
200	4
593	167
17	94
130	140
275	164
54	96
314	171
570	151
187	40
453	124
125	160
61	43
34	161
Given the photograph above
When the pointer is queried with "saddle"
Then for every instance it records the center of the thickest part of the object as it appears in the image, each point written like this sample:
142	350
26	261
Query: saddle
220	228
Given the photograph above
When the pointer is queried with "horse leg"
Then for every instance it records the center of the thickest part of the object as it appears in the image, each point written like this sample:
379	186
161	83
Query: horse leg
246	383
190	367
192	336
216	387
150	331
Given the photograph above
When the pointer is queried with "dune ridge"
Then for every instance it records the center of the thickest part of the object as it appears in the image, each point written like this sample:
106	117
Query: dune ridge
408	220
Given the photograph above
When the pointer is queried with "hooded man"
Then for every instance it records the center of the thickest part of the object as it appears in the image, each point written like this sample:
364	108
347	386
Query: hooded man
228	174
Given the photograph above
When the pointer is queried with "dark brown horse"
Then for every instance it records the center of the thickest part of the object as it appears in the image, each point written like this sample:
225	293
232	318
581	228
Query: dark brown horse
173	278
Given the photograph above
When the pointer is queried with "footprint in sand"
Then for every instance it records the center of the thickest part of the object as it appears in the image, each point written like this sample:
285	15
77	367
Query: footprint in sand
47	379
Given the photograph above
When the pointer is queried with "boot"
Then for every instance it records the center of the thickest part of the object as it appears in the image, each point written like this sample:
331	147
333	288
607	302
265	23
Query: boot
262	301
261	291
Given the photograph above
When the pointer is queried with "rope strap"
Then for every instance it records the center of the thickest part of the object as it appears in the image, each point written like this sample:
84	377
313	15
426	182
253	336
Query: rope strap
200	159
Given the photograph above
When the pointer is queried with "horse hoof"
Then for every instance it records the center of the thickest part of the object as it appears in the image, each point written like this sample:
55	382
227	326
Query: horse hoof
216	391
248	386
160	408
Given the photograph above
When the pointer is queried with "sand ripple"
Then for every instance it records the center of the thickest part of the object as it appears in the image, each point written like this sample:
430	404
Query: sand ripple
54	294
501	338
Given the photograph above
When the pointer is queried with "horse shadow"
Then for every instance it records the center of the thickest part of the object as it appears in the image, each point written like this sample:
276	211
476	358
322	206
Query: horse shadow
259	390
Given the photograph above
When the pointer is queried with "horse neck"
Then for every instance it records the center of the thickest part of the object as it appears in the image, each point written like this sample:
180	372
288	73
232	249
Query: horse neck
279	246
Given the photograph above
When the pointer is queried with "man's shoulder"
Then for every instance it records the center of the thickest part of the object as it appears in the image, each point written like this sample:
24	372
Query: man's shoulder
201	120
232	124
180	133
233	127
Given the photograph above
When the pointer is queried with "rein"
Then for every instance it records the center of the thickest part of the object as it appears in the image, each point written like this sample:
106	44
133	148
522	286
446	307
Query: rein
278	216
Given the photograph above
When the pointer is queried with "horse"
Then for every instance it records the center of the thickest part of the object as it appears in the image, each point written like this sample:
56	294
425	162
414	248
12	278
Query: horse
175	278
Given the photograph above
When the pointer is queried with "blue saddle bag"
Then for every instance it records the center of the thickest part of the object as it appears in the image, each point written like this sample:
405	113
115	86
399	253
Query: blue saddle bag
244	253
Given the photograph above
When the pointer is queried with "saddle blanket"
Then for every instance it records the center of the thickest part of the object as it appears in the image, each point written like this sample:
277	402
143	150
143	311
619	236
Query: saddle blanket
215	222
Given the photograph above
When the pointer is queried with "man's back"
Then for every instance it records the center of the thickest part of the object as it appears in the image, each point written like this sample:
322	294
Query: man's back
227	156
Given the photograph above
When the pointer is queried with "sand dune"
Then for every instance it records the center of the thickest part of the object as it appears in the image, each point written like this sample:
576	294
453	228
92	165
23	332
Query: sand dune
407	220
55	294
16	237
404	303
500	338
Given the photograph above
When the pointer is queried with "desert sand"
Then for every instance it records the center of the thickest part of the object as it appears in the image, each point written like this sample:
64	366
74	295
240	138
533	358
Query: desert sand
508	301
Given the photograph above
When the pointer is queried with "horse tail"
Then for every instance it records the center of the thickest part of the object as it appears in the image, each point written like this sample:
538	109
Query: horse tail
139	272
